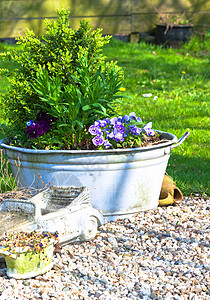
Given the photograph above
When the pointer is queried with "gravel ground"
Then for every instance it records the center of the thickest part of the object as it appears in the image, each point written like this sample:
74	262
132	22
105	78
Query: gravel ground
158	254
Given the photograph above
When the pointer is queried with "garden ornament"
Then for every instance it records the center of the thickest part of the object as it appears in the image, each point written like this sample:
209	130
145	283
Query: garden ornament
169	193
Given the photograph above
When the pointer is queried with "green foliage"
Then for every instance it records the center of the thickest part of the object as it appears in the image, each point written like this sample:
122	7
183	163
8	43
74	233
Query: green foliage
63	73
198	45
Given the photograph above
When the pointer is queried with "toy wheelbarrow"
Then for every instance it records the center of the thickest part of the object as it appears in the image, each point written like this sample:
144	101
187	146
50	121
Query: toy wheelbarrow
66	210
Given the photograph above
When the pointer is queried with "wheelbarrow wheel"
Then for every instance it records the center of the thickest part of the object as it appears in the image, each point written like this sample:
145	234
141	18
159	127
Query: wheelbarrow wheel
90	229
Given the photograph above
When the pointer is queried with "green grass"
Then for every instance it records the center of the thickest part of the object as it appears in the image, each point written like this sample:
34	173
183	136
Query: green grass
180	80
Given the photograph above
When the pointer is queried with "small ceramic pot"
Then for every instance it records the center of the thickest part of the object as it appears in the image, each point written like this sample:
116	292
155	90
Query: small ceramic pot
22	263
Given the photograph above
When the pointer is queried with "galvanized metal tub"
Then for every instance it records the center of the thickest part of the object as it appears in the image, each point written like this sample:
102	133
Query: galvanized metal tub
121	181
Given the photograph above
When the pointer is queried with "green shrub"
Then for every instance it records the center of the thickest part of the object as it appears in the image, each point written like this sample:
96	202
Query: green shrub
62	73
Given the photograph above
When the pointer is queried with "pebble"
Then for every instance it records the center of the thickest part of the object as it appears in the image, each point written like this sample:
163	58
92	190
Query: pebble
158	254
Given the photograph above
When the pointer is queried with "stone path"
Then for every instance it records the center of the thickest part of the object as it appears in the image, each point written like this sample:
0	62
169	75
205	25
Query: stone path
159	254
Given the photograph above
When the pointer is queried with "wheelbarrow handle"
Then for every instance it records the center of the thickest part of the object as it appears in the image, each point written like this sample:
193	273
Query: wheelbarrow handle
181	140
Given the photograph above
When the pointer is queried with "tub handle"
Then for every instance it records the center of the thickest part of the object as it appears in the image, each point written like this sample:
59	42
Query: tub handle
181	140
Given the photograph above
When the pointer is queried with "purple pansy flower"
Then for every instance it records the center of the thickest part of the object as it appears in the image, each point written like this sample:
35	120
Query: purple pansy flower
134	130
119	137
107	121
119	119
108	132
94	130
30	123
98	140
148	130
44	120
34	131
113	120
110	135
97	123
45	125
41	125
107	144
134	117
138	130
126	118
102	123
120	128
52	119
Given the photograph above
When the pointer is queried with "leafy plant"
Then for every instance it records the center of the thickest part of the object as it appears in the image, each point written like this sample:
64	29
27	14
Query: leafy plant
62	74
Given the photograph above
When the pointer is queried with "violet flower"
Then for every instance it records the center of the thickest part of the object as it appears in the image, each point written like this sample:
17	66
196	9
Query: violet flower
108	132
148	130
126	118
42	124
45	125
107	144
30	123
94	130
119	137
44	120
102	123
110	135
34	131
134	130
120	128
107	121
134	117
98	140
113	120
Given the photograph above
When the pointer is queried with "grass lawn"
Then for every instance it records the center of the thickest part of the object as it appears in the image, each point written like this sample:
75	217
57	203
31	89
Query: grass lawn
180	80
